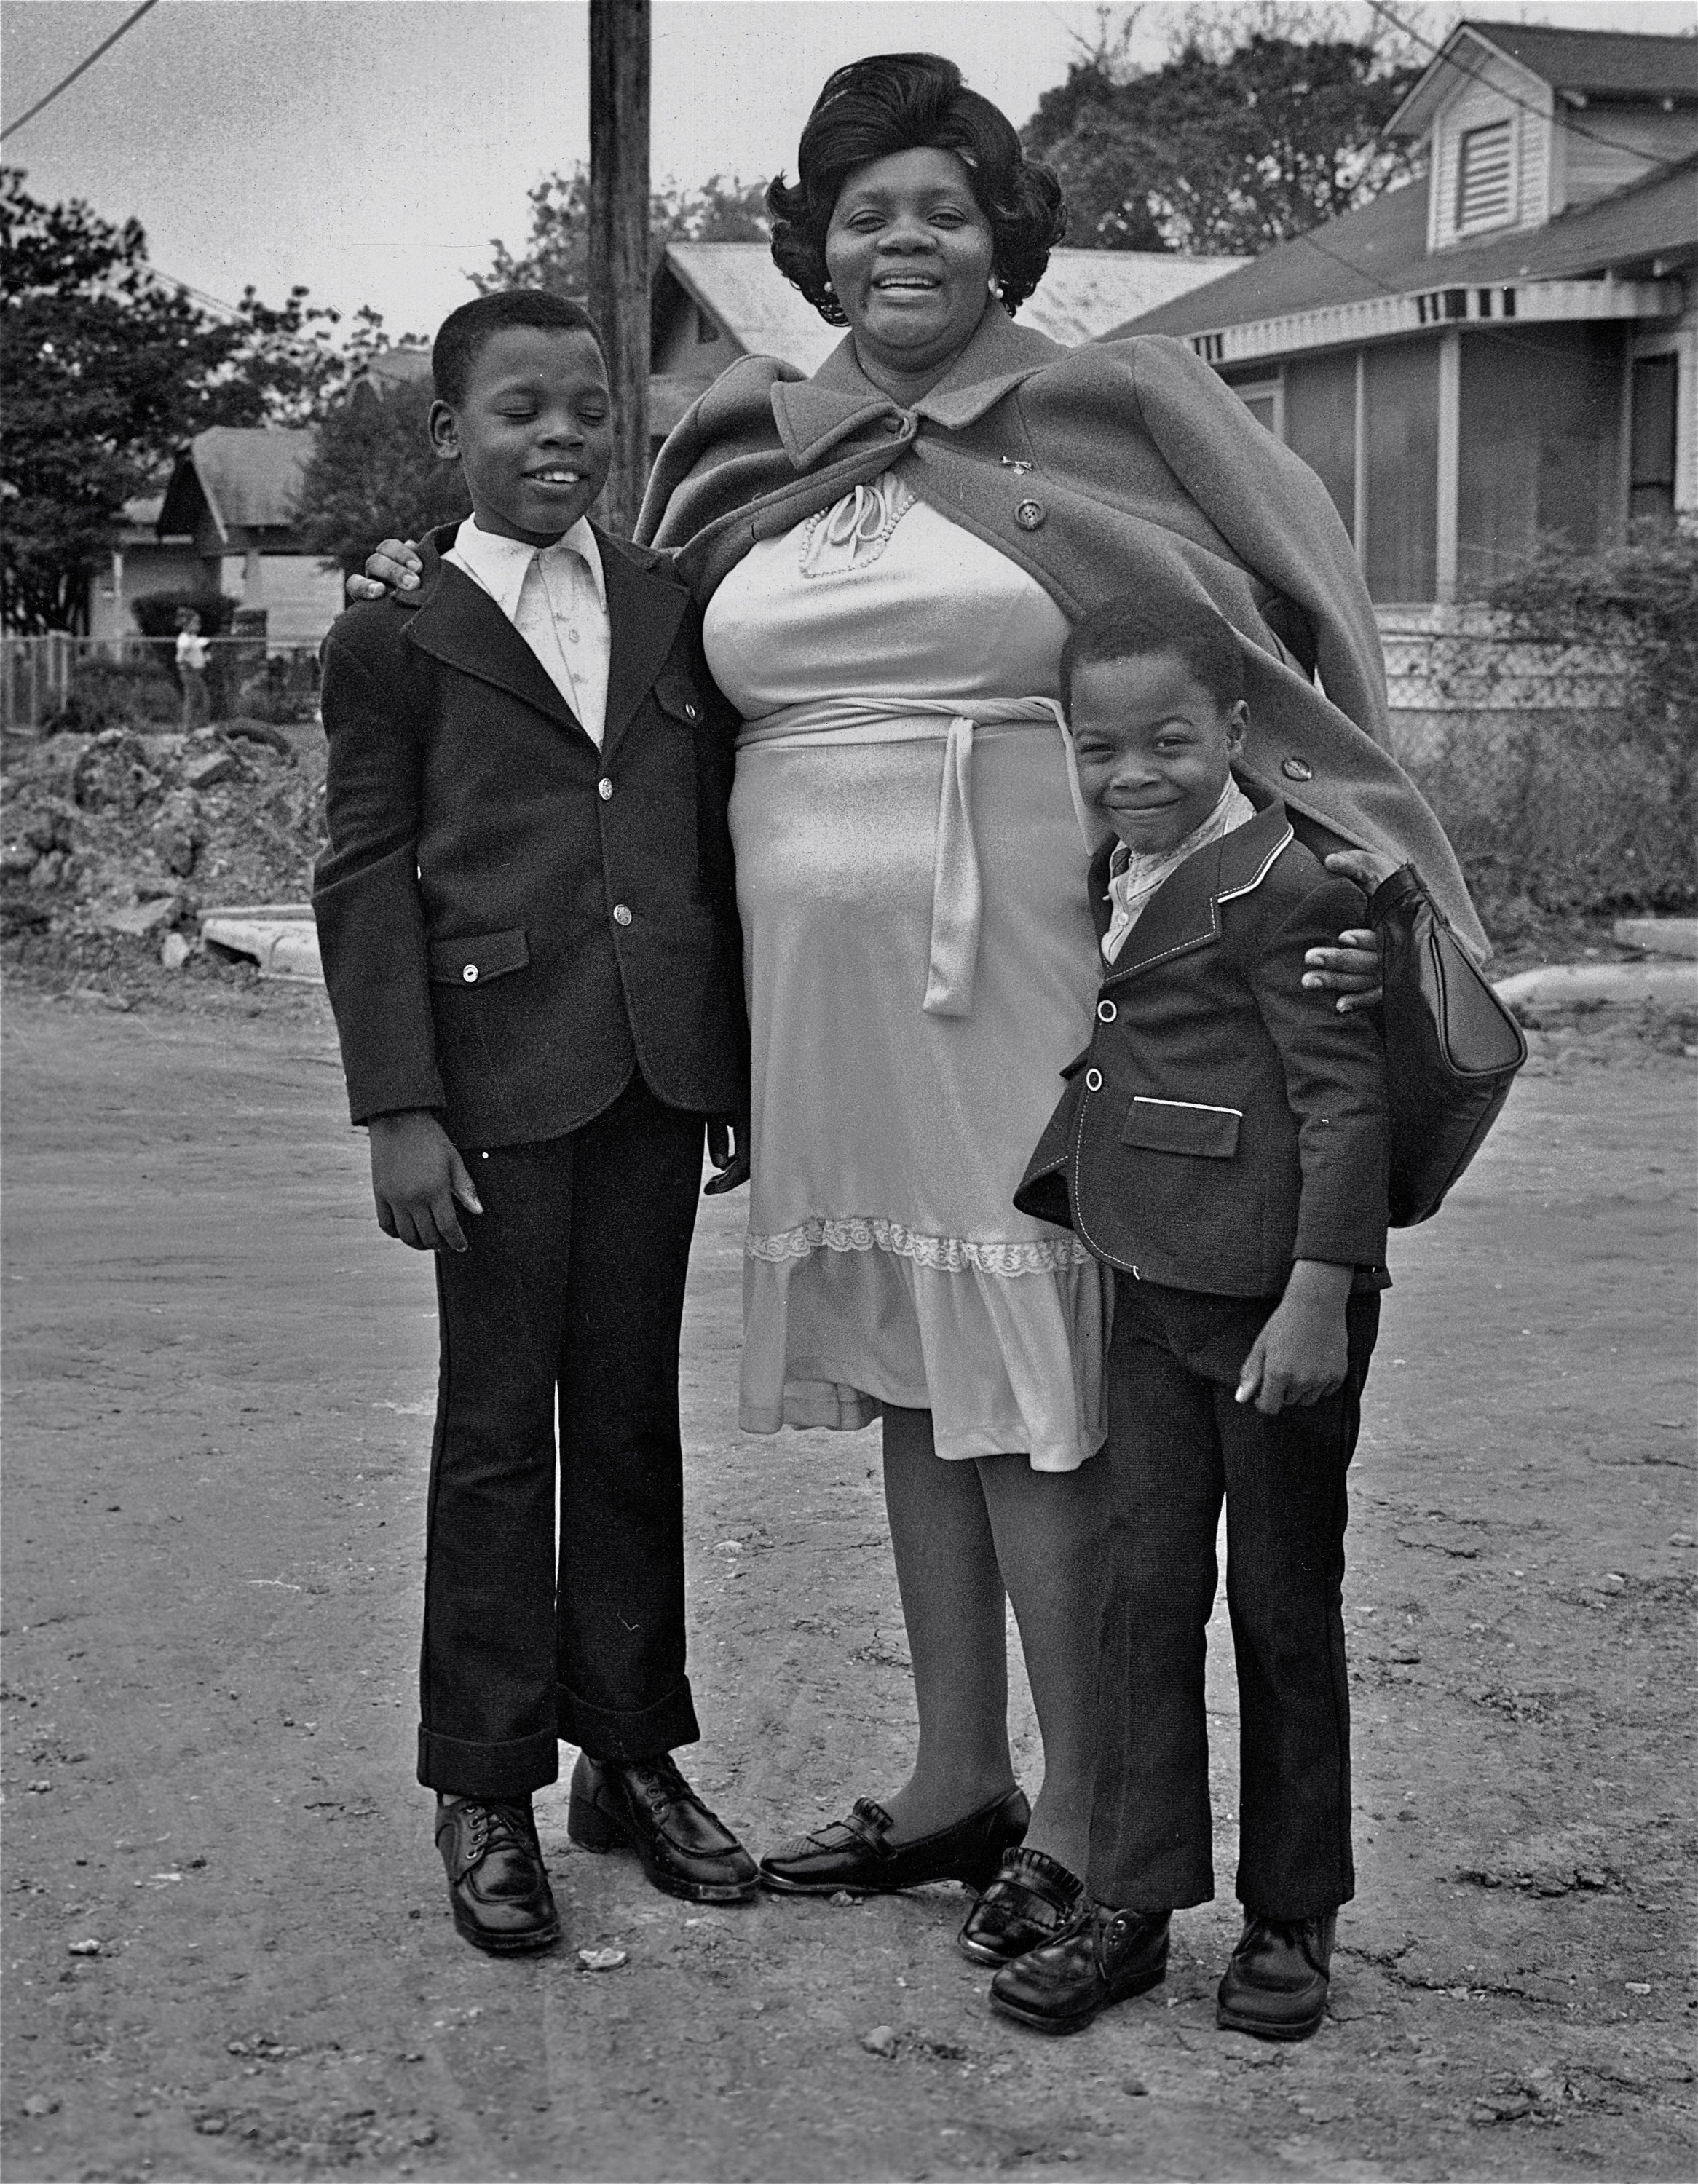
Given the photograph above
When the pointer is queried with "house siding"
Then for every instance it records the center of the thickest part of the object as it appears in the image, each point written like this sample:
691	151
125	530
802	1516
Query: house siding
1584	170
1496	90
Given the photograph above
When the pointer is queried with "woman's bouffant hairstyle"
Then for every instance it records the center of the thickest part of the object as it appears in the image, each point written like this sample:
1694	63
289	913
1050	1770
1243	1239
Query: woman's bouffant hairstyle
907	103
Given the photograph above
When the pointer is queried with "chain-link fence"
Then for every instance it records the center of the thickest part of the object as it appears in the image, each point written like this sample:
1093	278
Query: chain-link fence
93	682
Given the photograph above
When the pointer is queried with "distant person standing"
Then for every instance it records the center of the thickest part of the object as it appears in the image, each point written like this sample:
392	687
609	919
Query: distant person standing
193	651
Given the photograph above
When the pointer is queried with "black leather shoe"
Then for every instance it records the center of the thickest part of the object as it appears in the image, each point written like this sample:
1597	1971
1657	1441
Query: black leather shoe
1107	1958
1275	1985
497	1883
857	1855
646	1805
1034	1900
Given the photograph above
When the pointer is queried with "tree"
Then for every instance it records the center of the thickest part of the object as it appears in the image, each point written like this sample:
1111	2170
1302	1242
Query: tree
373	475
557	255
109	369
1246	136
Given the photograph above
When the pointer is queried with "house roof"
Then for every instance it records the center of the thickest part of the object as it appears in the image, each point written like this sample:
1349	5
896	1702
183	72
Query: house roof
1083	293
1381	250
1584	63
250	476
384	369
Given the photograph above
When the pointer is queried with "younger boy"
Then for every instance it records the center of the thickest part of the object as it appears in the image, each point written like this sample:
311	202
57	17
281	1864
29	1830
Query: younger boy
531	944
191	649
1221	1145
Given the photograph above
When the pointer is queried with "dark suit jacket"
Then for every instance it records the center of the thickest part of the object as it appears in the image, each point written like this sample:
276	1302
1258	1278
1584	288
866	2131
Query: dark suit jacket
512	921
1223	1122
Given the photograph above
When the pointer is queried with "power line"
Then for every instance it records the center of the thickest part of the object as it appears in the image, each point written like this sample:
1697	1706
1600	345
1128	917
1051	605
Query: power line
1478	75
64	83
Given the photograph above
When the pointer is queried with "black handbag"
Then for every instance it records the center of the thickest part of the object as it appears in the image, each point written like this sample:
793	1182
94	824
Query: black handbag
1452	1048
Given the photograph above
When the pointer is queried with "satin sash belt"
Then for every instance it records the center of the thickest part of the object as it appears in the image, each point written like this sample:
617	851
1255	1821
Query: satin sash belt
956	896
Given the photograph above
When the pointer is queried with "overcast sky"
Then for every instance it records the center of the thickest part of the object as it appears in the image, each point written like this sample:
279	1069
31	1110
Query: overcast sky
370	149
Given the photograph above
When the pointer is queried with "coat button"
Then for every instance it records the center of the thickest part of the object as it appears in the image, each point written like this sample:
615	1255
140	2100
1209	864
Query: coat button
622	916
469	974
689	713
603	788
1093	1080
1030	515
896	427
1106	1012
1297	769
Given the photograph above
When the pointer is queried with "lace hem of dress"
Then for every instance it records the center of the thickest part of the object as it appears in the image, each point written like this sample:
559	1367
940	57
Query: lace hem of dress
954	1255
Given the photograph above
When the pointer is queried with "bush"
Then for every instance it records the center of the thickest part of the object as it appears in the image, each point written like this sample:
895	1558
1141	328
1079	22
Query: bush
1592	809
114	694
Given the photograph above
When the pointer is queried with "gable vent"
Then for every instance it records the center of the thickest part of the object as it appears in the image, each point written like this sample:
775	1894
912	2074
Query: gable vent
1484	178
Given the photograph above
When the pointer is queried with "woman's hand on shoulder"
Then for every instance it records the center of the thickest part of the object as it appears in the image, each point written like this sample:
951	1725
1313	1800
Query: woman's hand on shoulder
1352	969
393	565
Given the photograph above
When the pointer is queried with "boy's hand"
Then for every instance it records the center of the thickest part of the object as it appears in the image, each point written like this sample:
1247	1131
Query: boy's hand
1352	969
417	1179
1301	1355
393	565
728	1148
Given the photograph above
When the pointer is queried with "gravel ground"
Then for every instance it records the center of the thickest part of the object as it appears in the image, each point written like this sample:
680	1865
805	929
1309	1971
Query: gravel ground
226	1947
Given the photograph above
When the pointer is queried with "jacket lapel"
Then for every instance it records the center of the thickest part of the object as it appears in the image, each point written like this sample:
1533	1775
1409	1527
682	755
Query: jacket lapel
1185	910
456	621
644	609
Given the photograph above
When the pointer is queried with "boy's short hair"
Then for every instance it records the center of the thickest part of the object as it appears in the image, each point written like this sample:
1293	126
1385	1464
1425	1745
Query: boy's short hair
1134	628
464	334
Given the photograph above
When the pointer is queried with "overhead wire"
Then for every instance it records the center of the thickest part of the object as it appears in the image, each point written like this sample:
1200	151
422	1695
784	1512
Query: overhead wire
82	67
1478	75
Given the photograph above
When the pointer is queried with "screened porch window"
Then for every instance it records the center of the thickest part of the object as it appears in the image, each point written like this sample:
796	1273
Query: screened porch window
1485	179
1321	424
1401	398
1540	446
1651	483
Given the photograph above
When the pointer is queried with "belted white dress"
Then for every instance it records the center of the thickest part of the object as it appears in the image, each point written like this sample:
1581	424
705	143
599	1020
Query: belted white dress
920	962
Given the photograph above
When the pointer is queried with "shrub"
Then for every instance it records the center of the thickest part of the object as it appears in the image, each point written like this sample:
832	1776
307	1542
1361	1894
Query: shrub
1594	809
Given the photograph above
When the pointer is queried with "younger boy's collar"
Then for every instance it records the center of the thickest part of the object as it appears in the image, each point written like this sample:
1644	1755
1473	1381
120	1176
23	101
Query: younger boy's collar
499	564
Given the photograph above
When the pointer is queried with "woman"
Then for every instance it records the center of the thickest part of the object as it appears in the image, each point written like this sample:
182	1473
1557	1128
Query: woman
891	554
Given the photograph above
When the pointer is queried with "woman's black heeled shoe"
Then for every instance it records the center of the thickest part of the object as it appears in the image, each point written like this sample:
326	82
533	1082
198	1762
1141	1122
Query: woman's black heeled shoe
857	1855
1034	1900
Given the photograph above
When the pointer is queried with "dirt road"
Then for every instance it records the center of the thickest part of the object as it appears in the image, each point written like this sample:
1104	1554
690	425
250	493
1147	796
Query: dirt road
226	1949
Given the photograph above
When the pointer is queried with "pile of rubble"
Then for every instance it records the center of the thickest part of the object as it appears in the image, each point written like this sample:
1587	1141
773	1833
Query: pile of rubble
129	836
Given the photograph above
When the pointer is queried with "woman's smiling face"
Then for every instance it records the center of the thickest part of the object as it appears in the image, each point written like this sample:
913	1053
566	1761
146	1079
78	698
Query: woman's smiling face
910	255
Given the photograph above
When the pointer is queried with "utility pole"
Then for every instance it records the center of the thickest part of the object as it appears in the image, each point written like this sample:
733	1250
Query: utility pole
619	236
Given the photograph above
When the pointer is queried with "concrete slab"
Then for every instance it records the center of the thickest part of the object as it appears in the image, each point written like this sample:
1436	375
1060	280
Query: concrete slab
279	937
1658	936
1672	985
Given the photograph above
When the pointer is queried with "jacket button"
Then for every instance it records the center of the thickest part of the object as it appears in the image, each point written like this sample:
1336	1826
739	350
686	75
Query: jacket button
1297	769
1030	515
469	974
603	788
688	711
622	916
1106	1012
1093	1080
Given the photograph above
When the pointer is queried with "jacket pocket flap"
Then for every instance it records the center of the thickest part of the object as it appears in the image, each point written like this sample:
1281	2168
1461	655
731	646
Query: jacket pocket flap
480	957
680	700
1176	1126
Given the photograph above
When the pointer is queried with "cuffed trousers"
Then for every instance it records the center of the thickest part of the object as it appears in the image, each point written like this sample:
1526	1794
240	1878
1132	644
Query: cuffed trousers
565	1307
1178	1442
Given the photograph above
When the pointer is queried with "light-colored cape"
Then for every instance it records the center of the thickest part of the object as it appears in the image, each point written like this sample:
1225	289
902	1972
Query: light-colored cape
1117	467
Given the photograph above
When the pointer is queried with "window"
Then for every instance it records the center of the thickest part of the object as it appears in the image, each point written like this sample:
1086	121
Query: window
1261	399
1321	424
1485	178
1401	395
1651	483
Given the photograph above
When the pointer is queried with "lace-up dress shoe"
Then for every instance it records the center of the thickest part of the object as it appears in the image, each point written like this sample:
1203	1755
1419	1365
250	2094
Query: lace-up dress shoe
1034	1900
646	1805
1275	1985
497	1883
858	1855
1107	1958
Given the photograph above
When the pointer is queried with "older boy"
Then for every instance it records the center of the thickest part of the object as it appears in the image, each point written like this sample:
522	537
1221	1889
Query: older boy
1221	1145
531	944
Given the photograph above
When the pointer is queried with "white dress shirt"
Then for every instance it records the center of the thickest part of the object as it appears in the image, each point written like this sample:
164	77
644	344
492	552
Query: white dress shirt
557	599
